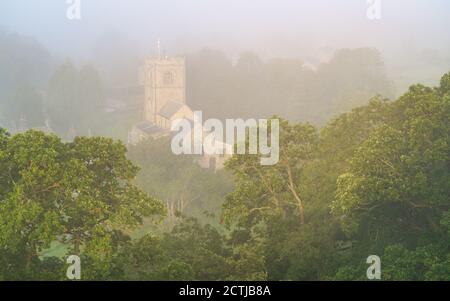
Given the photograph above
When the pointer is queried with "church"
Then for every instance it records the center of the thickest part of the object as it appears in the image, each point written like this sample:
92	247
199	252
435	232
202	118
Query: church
164	82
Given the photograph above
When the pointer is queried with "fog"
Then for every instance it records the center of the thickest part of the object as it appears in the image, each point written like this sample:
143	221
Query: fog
268	27
408	44
104	160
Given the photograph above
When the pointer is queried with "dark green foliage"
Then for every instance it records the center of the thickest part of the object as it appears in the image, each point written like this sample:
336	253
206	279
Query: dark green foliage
376	183
78	193
375	180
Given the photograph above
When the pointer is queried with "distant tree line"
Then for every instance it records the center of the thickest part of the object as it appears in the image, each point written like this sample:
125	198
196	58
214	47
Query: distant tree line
37	89
291	88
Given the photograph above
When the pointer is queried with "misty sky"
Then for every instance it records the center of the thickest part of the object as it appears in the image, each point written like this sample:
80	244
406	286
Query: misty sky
270	27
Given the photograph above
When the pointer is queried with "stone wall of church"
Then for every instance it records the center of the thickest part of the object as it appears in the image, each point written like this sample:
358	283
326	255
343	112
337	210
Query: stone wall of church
164	80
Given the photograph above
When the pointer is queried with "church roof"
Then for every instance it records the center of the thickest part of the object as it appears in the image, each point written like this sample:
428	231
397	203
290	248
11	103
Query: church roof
149	128
169	109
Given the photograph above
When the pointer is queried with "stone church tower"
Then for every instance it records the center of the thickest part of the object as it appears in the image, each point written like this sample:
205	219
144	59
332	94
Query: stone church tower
164	81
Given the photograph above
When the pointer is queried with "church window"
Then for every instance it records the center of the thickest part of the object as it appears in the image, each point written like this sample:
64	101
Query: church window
168	78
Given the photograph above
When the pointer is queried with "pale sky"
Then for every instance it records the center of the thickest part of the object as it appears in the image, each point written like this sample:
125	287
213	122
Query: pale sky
270	27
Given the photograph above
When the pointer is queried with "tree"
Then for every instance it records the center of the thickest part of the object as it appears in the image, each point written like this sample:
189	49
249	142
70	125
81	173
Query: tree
185	187
29	220
23	59
396	190
79	193
403	166
262	191
190	251
102	202
75	98
24	102
269	212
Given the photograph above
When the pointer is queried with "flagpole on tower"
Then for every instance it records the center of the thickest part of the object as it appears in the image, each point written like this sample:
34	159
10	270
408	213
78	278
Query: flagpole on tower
159	48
